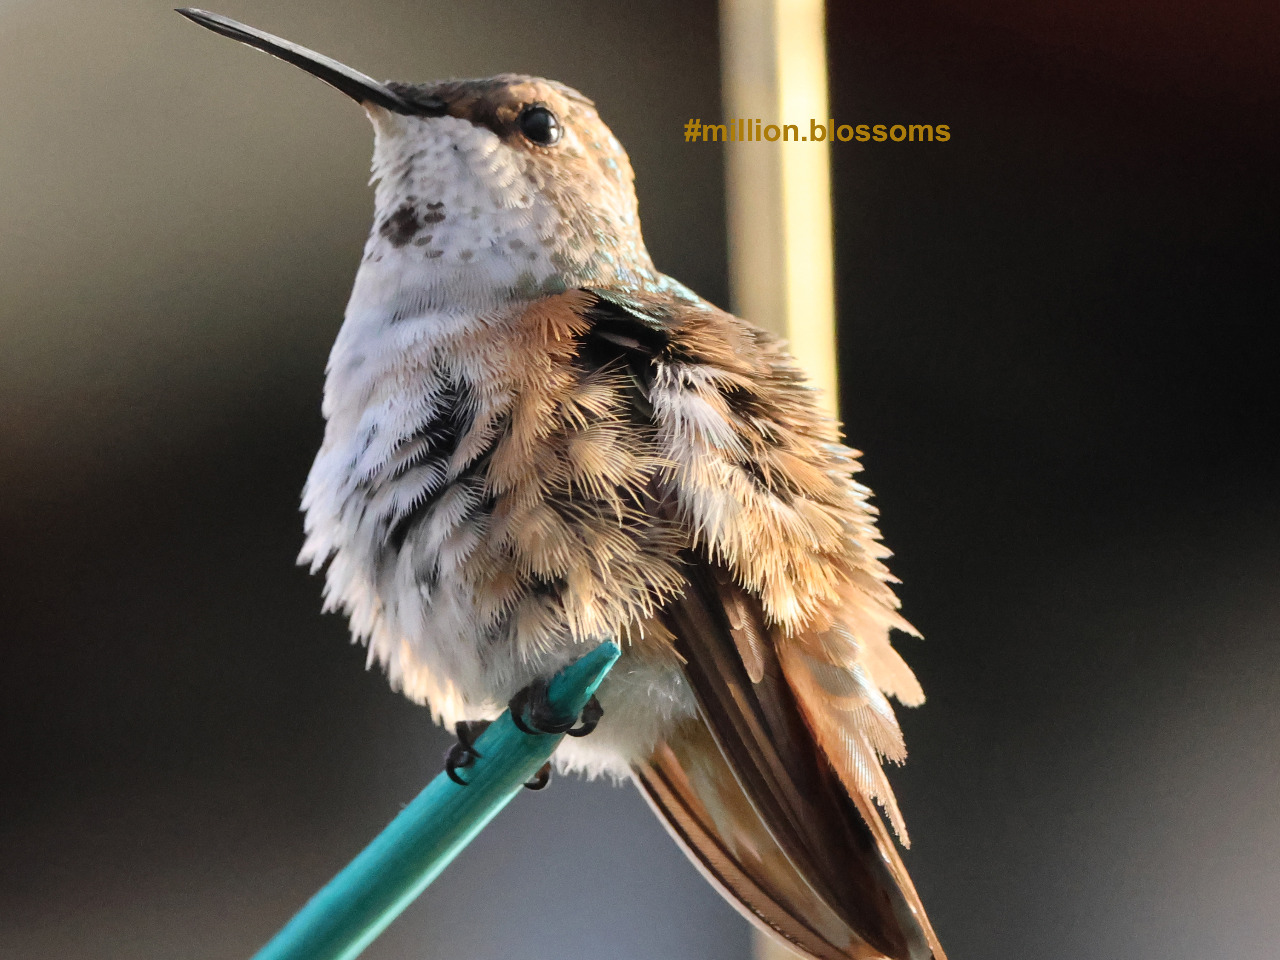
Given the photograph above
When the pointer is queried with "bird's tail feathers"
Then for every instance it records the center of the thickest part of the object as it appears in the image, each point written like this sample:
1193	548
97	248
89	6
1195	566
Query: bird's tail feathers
693	791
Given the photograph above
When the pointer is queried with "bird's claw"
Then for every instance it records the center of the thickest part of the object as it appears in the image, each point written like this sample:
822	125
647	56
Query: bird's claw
541	778
531	712
590	718
463	754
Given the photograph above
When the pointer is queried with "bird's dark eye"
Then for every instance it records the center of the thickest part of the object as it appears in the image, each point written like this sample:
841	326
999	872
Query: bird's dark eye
539	125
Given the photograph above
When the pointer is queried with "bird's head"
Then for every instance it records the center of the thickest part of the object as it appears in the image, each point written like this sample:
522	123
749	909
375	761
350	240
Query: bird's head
487	191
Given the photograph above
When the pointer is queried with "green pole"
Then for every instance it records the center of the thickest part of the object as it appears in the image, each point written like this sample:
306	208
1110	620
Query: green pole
371	891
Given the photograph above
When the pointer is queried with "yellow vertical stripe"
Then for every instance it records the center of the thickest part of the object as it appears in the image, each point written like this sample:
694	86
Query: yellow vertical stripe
774	66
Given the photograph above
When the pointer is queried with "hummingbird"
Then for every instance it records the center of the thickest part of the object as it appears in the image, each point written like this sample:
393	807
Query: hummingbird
536	441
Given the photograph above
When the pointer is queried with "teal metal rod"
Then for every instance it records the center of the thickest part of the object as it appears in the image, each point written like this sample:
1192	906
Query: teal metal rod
371	891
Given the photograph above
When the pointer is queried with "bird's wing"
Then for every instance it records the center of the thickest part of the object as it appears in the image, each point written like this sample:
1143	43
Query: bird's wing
760	804
784	629
692	789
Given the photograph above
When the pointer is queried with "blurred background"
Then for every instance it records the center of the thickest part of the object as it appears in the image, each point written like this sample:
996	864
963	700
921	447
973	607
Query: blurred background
1057	349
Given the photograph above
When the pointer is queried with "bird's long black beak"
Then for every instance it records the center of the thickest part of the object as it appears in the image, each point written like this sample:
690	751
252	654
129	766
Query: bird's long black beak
353	83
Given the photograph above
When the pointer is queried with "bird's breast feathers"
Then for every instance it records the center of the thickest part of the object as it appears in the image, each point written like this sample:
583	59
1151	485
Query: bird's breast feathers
494	492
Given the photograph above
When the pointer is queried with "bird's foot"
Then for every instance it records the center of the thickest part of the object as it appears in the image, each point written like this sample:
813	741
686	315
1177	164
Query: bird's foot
532	712
463	754
541	778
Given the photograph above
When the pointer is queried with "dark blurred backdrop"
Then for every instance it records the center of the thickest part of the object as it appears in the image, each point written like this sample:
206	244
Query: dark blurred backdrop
1057	350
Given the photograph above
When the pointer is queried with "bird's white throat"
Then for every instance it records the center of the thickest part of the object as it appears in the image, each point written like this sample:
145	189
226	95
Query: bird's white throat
457	225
